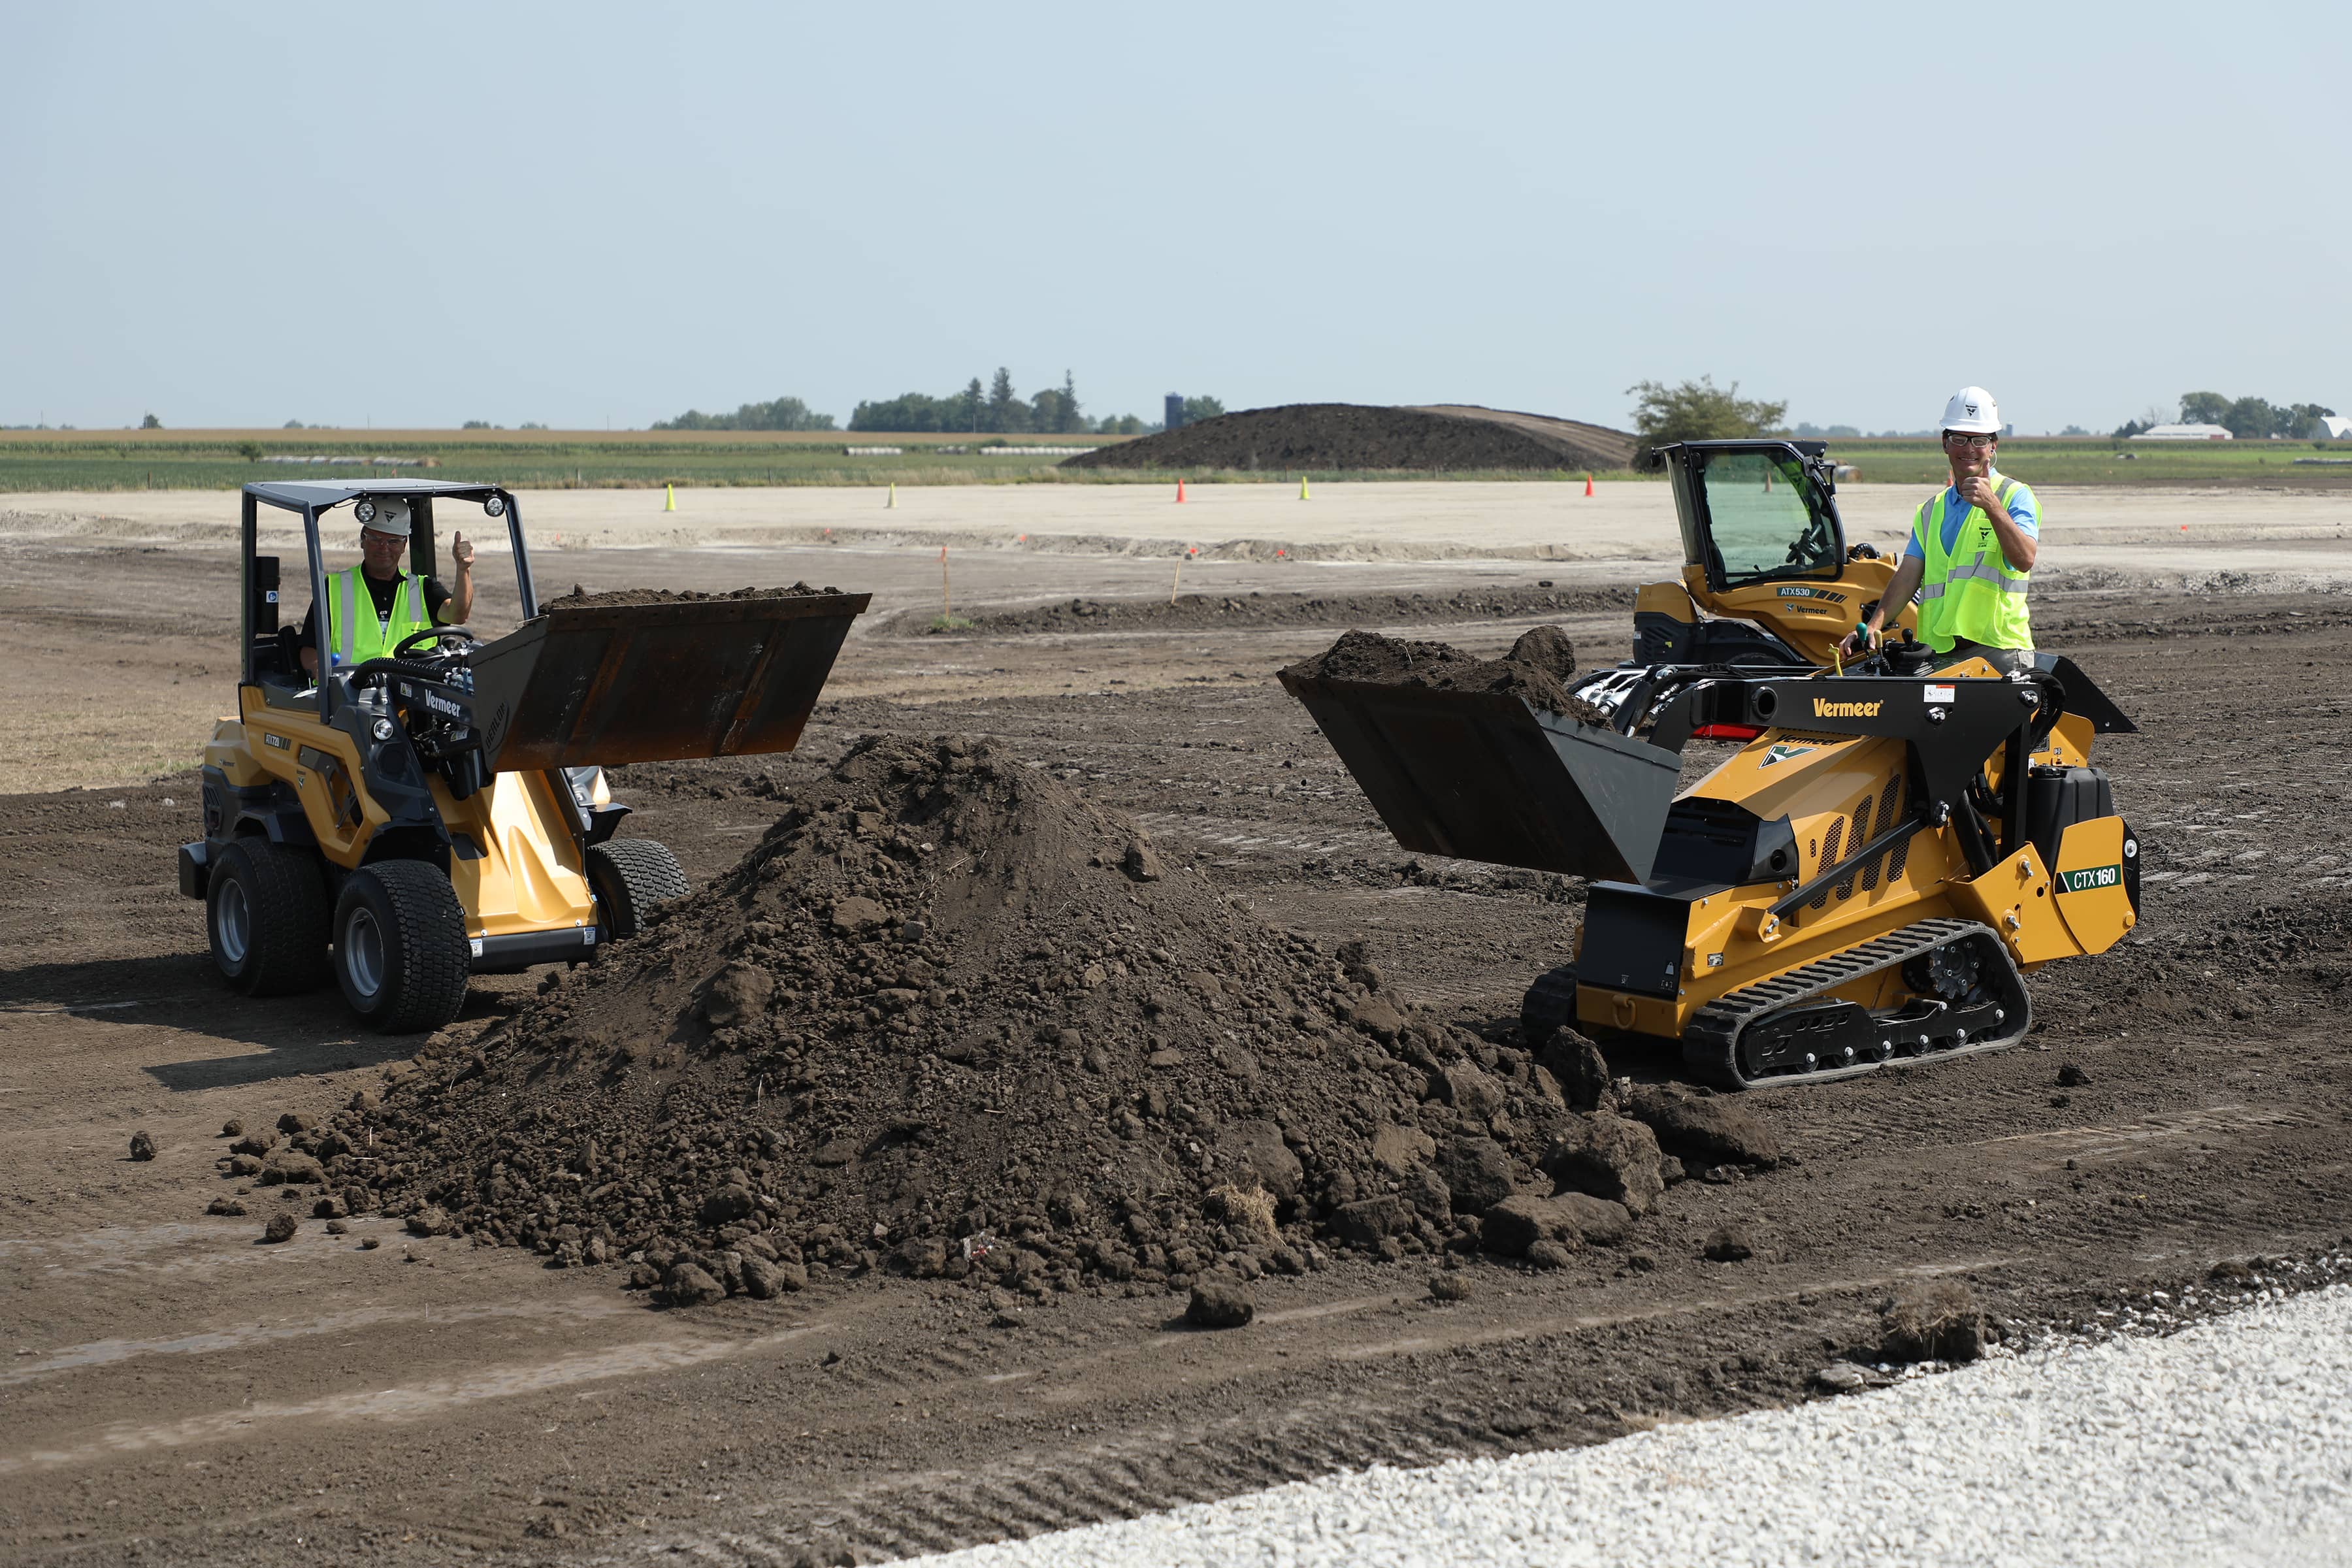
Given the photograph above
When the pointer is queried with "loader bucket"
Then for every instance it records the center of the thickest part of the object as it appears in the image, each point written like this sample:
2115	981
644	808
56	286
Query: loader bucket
1485	776
663	682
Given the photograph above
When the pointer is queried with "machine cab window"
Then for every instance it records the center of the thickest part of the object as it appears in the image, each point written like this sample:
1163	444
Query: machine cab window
1755	511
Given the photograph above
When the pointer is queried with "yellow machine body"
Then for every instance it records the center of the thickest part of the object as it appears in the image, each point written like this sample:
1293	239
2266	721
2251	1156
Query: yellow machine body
517	867
1810	617
1836	791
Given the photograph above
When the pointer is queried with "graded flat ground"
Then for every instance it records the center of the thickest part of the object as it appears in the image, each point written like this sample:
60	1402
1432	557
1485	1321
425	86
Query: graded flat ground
175	1390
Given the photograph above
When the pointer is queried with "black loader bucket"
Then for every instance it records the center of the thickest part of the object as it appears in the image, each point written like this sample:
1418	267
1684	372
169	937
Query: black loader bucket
663	682
1483	777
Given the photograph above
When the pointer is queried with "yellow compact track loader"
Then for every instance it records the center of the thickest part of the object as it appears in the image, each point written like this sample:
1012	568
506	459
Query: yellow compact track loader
1767	577
443	810
1868	879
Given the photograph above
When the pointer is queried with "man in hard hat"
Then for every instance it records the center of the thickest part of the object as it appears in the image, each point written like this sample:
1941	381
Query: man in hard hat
372	606
1972	547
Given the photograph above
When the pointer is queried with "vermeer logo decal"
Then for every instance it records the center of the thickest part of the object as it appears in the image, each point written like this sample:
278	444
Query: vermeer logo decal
1825	709
2094	876
1780	752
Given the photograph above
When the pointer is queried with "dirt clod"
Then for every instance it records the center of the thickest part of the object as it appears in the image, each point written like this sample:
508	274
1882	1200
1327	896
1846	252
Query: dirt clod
2071	1077
1609	1157
1936	1322
281	1228
229	1206
232	1128
143	1147
1704	1129
689	1285
1220	1304
1729	1245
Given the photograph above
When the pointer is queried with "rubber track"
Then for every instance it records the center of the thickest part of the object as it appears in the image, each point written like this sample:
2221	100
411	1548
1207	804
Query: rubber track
1711	1042
1550	1003
435	961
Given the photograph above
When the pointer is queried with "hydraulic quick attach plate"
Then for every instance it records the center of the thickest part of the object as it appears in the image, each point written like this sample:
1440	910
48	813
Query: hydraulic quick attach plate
1787	1030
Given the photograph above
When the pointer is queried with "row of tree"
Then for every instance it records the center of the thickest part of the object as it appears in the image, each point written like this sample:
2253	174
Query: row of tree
999	411
995	410
782	413
2247	418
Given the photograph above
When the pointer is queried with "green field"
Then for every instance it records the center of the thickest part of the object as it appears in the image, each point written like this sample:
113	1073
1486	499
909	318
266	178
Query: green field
223	459
2071	460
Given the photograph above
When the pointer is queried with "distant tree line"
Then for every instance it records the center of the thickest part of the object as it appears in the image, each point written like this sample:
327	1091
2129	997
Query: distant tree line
996	411
2247	418
784	413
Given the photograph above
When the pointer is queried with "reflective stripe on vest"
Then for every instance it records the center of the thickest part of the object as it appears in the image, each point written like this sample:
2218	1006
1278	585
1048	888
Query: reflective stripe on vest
359	635
1977	597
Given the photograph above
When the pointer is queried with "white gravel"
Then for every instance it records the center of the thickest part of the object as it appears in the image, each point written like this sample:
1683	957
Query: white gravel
2229	1443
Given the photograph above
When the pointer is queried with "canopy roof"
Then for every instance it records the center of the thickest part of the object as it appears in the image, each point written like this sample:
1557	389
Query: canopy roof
297	495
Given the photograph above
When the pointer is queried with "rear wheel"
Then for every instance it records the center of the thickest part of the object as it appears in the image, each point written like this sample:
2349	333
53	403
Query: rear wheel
401	954
1550	1003
265	913
630	876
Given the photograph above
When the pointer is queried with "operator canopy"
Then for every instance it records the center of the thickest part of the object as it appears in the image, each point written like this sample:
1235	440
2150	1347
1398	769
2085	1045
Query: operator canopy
1972	411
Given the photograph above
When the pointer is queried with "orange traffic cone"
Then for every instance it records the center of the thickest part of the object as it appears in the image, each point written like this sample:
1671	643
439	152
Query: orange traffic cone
1588	484
1179	492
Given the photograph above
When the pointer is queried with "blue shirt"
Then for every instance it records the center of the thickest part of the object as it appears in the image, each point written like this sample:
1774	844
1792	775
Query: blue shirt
2020	512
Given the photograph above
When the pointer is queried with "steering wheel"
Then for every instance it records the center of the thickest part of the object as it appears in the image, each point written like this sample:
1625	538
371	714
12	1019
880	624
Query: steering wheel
435	635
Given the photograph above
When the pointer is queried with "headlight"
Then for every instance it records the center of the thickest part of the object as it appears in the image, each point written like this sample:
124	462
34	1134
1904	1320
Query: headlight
364	511
495	505
383	728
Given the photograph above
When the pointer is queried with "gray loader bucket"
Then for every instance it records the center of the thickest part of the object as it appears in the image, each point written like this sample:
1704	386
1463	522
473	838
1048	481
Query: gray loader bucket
1483	777
666	682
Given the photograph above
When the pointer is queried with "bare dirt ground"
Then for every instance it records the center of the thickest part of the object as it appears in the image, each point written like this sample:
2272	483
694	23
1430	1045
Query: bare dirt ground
175	1392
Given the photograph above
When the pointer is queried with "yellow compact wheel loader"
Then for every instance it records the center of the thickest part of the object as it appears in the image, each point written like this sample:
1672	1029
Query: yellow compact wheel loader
1869	879
440	812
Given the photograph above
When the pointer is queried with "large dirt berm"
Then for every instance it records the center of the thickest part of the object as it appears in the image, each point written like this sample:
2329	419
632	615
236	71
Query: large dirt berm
1323	436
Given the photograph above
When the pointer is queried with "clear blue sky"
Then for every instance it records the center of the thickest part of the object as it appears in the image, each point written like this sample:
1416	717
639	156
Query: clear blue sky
421	214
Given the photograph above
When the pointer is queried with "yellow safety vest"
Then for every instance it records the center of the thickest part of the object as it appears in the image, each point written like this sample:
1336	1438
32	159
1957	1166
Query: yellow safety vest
1970	591
353	629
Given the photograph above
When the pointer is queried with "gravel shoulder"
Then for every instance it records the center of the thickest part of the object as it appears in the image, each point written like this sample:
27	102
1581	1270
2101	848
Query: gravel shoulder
2228	1442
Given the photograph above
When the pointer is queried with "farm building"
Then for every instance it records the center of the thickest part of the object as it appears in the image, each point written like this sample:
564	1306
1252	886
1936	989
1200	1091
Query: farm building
2183	433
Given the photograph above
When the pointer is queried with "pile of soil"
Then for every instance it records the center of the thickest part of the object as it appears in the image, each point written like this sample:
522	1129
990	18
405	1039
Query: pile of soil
948	1018
581	599
1260	609
1325	437
1537	669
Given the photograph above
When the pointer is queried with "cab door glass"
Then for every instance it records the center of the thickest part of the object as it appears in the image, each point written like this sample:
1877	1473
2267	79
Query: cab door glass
1764	520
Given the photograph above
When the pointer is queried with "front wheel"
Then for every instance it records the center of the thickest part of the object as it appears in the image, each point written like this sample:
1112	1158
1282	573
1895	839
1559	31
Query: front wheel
401	954
629	877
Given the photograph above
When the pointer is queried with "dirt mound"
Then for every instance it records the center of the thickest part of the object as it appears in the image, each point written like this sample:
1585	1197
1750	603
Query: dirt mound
1535	668
947	1017
581	599
1333	435
1229	612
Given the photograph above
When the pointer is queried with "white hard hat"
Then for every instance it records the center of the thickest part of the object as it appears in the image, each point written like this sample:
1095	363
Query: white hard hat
1973	411
383	515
